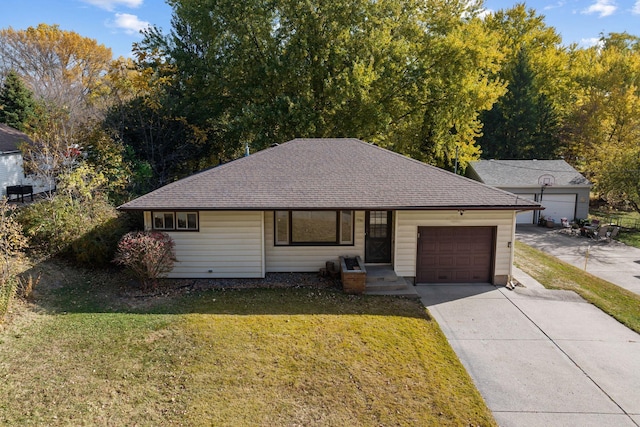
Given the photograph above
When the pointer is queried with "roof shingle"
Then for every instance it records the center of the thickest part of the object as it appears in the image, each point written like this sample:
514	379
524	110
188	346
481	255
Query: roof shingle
11	138
526	173
326	174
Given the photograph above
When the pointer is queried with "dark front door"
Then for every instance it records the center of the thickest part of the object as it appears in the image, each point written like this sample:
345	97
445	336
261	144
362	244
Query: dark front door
377	246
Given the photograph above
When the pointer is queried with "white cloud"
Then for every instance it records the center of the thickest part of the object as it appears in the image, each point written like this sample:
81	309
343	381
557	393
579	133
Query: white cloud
554	6
486	12
601	7
110	5
129	23
593	41
636	8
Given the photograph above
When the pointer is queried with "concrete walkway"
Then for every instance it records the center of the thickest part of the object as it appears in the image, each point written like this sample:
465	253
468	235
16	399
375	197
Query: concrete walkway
541	357
610	260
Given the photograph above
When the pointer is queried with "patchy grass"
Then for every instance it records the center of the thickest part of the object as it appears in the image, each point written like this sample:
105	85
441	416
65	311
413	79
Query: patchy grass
630	237
90	352
628	220
553	273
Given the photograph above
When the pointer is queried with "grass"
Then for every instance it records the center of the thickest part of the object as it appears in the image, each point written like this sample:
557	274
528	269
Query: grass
628	220
89	351
618	302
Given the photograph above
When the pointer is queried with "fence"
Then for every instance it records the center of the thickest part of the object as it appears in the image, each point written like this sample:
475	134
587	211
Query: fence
619	220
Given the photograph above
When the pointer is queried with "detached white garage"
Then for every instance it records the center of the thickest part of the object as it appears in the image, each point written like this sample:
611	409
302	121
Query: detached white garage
556	185
558	206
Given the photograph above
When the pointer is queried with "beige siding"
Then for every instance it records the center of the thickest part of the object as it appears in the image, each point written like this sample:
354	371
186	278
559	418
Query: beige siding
406	236
307	258
229	244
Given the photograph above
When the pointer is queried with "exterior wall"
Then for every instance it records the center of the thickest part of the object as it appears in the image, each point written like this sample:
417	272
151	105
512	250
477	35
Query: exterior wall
229	244
308	258
406	237
582	196
12	173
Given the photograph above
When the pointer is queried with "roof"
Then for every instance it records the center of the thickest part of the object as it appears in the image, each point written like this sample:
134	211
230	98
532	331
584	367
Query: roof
11	138
326	174
526	173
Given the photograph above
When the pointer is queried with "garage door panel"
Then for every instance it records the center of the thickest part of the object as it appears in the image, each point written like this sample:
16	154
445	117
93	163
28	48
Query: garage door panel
525	217
558	206
455	254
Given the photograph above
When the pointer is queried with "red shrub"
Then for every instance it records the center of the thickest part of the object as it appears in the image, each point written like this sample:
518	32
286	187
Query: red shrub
147	255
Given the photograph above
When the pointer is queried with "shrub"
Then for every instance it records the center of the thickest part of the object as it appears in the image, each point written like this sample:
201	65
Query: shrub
87	230
147	255
8	288
12	243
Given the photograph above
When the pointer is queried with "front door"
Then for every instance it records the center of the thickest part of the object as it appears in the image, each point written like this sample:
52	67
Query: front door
377	247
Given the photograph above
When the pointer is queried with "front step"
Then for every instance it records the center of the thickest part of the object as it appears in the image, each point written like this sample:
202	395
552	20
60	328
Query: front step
382	280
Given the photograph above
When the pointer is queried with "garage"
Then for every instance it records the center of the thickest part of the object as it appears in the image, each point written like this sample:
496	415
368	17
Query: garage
527	216
455	254
559	206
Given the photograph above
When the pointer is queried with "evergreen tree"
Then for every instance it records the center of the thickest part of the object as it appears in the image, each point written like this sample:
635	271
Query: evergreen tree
17	106
523	124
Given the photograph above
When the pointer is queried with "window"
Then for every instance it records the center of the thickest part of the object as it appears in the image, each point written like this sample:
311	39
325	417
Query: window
314	227
181	221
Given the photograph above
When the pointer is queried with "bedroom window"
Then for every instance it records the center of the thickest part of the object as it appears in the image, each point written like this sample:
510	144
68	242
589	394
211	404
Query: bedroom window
180	221
314	228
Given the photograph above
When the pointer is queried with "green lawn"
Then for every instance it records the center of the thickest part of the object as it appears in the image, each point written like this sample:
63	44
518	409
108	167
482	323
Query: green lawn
620	303
89	351
629	221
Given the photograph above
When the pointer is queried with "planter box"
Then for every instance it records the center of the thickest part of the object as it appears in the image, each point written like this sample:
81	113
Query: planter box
353	275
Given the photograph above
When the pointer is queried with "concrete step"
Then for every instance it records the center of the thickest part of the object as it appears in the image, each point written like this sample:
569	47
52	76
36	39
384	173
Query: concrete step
386	286
409	291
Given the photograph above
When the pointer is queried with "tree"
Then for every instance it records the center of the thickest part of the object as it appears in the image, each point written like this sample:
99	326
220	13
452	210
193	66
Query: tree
17	106
523	124
61	68
398	73
603	131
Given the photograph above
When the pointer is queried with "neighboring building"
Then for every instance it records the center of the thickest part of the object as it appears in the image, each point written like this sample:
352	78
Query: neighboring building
556	185
11	167
295	206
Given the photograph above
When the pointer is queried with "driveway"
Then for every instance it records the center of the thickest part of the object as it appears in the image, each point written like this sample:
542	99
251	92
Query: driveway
541	357
612	261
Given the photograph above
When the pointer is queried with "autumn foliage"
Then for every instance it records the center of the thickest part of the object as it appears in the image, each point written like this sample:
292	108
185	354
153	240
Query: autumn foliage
147	255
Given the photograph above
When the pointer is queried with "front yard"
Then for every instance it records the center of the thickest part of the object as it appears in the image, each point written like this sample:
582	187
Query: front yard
88	350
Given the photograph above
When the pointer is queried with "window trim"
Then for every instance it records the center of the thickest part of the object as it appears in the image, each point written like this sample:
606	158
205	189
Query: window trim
175	213
337	242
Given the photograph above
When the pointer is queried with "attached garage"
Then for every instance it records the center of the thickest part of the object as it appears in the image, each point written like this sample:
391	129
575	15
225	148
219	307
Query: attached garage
455	254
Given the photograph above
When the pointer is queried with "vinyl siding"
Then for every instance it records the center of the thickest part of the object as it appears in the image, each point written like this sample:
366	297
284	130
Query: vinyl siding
12	173
229	244
406	236
307	258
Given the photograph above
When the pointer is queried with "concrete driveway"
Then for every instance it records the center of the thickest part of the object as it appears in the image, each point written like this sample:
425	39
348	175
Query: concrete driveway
541	357
612	261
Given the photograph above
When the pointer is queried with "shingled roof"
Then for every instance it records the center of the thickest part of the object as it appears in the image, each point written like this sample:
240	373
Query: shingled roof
10	139
326	174
526	173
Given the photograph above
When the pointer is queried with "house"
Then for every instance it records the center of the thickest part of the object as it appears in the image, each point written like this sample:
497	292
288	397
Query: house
554	184
11	166
295	206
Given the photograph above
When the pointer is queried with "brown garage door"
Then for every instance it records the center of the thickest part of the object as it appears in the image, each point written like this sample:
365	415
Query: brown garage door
454	254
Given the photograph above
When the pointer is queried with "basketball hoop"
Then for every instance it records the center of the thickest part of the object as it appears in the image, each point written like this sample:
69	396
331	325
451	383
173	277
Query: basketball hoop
546	180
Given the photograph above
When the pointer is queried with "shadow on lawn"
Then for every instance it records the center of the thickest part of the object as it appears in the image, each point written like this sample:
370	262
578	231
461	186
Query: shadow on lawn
64	288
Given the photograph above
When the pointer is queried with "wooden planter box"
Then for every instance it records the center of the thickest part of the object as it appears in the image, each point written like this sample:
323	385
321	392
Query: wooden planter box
353	275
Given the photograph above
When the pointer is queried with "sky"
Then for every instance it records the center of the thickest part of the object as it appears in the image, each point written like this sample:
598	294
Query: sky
117	23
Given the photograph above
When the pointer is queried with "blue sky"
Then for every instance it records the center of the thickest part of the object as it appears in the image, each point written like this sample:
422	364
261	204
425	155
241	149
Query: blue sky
582	21
116	23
